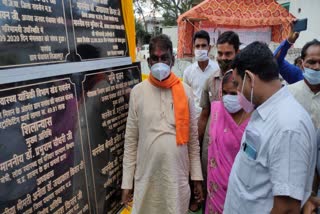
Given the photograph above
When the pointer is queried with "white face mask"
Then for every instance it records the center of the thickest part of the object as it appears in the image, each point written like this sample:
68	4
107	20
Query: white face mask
312	76
201	55
231	103
160	71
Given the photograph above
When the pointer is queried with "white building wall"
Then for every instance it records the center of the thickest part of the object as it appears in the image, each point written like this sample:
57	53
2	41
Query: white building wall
308	9
172	32
150	27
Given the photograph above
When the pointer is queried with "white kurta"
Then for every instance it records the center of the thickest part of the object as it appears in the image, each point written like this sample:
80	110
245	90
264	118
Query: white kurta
160	169
309	100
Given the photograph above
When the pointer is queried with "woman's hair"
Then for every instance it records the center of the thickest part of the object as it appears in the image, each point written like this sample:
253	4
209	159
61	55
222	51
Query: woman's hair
227	76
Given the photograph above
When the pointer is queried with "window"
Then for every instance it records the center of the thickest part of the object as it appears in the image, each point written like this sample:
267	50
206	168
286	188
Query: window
286	5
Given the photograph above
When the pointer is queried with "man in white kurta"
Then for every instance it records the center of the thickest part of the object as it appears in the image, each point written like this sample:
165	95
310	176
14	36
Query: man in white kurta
158	166
308	99
307	93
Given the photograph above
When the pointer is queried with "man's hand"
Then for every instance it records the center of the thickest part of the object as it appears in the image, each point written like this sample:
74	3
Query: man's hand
293	36
198	191
311	205
285	204
126	197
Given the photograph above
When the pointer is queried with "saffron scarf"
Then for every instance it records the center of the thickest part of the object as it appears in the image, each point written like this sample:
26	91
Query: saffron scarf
180	103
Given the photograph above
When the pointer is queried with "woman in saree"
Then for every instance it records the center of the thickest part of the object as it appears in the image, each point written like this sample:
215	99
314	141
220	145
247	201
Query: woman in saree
228	122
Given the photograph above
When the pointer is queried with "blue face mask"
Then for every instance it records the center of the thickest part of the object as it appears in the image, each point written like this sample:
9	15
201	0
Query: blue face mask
312	76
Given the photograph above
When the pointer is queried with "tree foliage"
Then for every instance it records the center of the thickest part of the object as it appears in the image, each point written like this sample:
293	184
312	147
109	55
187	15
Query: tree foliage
171	9
142	36
139	7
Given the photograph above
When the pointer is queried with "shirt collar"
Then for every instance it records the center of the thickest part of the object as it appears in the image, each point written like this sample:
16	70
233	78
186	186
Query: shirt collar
307	88
266	108
218	74
208	66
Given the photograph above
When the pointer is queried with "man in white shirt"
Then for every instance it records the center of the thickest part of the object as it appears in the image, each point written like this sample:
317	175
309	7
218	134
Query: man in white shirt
307	91
274	169
196	74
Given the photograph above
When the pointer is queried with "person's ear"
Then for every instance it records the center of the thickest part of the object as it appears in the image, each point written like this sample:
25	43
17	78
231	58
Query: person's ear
303	63
251	77
209	49
173	61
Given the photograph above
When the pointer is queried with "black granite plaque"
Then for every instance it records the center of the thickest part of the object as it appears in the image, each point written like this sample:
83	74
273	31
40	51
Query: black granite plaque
106	98
61	142
98	27
42	167
32	32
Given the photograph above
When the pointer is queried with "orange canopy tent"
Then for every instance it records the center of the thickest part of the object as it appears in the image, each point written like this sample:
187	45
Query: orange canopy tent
232	14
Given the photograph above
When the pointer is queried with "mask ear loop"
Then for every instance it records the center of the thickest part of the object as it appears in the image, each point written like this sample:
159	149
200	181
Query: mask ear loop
252	85
251	98
244	81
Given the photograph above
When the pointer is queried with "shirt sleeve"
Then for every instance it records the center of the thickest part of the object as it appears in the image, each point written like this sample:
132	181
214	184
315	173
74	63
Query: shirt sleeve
318	151
186	76
130	145
289	72
215	66
204	99
193	145
290	159
281	52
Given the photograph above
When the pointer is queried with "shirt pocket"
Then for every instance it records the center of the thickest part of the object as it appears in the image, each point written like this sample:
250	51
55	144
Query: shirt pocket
246	170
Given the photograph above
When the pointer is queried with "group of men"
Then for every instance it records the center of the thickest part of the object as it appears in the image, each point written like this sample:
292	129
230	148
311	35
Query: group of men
168	123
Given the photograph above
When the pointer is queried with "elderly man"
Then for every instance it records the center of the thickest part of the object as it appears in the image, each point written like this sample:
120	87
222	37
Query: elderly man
307	92
273	171
161	143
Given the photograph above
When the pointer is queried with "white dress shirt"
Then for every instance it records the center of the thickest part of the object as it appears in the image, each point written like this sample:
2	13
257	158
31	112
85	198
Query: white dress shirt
283	136
196	78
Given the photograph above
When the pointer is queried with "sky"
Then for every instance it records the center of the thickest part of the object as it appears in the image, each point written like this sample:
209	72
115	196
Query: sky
147	7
